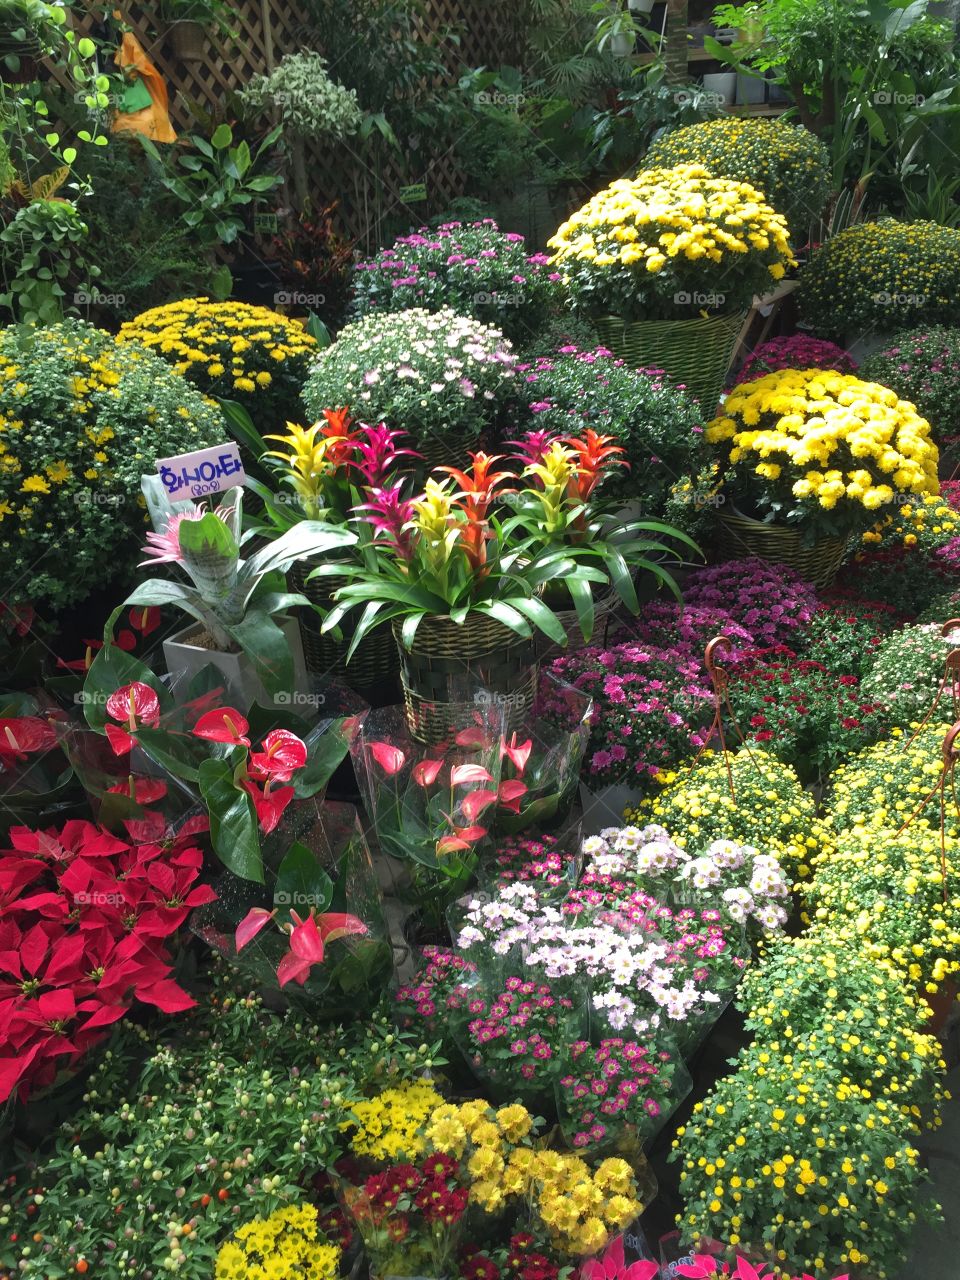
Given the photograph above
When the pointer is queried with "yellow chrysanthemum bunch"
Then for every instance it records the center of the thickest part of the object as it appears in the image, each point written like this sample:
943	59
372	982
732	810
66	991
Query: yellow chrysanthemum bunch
886	784
81	419
231	350
286	1246
788	163
768	809
390	1126
671	242
581	1208
822	449
924	525
886	890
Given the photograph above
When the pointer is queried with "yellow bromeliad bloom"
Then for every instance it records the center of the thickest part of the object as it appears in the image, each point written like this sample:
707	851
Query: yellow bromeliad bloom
436	522
555	470
307	462
826	438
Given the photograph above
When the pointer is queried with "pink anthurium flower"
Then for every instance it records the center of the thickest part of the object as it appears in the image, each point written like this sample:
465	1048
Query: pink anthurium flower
517	754
307	938
223	725
461	773
510	793
282	755
612	1266
425	772
475	803
461	838
475	737
390	759
250	926
22	735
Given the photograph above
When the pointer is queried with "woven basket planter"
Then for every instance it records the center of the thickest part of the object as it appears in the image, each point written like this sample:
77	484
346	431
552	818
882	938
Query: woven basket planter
449	666
604	608
817	564
375	659
696	352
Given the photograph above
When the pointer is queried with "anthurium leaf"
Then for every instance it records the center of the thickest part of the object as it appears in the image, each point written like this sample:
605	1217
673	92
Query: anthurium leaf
301	882
233	820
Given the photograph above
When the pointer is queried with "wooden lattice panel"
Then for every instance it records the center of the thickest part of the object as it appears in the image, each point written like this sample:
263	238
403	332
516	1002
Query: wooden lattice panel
262	32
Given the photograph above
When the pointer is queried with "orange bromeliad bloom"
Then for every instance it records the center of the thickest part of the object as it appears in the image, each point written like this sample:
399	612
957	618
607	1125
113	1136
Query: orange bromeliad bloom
479	489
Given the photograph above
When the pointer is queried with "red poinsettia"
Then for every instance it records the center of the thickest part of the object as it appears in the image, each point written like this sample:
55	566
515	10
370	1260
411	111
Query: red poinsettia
83	918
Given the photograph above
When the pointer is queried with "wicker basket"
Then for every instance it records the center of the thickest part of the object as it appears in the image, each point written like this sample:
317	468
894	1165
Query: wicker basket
604	608
817	563
375	660
696	353
450	664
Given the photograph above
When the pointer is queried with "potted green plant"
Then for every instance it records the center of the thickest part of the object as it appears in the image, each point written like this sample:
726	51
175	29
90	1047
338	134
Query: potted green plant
237	607
188	22
667	263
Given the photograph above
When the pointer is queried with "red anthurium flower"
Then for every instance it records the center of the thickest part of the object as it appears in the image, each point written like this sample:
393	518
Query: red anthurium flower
223	725
510	793
140	790
425	772
21	736
518	755
250	926
475	737
282	755
390	759
339	924
133	705
461	773
269	804
306	950
461	838
475	803
144	619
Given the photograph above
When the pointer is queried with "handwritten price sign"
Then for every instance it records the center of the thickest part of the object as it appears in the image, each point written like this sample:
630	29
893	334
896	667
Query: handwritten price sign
197	475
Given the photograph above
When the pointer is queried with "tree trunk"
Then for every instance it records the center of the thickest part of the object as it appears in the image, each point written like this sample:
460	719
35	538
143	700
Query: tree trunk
675	47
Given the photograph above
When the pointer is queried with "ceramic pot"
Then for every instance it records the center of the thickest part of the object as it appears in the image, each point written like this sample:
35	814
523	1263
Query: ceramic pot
243	685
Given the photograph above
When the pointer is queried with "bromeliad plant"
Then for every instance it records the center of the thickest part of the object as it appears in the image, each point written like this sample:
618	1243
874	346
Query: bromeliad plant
236	601
449	553
563	504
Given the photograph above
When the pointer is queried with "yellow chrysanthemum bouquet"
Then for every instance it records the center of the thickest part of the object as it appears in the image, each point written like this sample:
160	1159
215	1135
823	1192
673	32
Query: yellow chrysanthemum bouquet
670	244
821	451
233	351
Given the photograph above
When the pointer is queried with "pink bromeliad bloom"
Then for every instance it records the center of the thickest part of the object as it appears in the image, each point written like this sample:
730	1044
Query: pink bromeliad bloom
377	447
164	548
390	514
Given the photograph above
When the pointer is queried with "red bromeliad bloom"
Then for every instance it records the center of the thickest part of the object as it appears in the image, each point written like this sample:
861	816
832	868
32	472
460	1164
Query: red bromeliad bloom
336	429
223	725
479	489
83	915
595	455
134	704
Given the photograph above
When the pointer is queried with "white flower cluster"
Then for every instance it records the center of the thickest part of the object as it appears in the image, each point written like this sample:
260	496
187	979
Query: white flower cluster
750	884
439	369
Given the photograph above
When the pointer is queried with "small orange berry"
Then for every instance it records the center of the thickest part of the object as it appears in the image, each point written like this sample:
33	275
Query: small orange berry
223	1193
